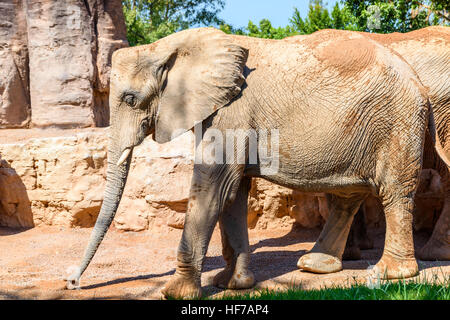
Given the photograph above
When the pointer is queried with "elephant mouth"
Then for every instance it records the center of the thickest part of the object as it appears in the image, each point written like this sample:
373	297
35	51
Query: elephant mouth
124	156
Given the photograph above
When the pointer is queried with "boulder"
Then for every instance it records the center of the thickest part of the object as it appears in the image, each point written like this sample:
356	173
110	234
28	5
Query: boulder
15	206
272	206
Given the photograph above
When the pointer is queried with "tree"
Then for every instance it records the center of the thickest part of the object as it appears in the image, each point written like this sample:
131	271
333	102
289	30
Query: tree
398	15
343	18
267	31
150	20
319	18
316	19
229	29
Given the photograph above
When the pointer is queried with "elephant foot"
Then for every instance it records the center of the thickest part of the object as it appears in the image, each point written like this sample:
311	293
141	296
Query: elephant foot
319	263
227	279
352	253
391	268
434	250
180	287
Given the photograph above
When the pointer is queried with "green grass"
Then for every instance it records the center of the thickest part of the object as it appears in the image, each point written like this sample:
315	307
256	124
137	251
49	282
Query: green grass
392	291
417	289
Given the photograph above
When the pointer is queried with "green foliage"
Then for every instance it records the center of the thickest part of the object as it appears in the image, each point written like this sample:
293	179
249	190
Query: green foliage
231	30
150	20
319	18
342	18
385	16
267	31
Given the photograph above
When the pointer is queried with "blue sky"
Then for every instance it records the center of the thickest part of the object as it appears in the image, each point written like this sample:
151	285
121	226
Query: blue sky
238	12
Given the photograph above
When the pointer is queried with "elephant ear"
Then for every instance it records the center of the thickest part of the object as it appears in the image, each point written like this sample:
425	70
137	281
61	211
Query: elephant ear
205	72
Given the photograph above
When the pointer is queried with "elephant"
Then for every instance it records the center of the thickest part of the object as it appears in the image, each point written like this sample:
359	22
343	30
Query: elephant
269	94
427	51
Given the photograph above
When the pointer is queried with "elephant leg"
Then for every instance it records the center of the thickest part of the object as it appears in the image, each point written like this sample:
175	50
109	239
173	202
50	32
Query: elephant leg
235	247
364	241
438	246
213	189
352	251
326	255
398	259
357	237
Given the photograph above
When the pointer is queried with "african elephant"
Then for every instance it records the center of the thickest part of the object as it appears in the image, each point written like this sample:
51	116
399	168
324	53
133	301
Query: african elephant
346	117
427	51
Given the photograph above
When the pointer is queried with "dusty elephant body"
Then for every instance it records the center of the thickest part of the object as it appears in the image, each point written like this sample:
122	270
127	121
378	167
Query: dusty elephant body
367	141
427	51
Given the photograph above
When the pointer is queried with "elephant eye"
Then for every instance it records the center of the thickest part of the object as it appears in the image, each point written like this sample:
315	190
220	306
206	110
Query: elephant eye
130	100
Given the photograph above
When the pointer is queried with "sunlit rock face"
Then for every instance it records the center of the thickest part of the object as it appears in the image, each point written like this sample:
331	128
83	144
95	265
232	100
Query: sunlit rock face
14	59
55	58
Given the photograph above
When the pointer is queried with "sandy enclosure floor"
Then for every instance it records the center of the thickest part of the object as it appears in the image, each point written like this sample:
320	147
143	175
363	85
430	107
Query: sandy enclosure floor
136	265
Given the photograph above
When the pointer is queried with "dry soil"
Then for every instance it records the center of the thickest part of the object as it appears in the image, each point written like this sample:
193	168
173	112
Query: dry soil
128	265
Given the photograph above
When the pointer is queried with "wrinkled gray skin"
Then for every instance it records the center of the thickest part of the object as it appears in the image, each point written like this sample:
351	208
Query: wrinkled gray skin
427	51
351	118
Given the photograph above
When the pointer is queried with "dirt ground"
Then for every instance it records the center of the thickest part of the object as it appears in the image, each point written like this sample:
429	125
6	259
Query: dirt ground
132	265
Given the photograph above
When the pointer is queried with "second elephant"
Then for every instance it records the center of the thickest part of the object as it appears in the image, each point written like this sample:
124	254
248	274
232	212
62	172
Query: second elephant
427	51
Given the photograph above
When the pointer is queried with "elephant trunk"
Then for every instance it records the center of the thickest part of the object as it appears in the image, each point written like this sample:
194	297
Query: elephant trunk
115	184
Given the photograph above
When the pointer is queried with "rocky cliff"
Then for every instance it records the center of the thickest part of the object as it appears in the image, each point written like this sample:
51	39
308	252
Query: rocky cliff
14	65
55	58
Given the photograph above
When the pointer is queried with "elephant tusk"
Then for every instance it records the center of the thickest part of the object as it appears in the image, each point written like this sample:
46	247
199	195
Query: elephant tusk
124	156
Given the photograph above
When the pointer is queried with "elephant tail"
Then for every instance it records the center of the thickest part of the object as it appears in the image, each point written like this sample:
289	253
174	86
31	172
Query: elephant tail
435	138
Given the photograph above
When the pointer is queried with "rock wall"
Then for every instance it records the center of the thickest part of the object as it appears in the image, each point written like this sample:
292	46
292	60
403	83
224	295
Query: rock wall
14	76
57	57
59	179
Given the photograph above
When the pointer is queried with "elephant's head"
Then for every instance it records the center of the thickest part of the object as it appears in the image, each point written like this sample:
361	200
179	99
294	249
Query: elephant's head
163	88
